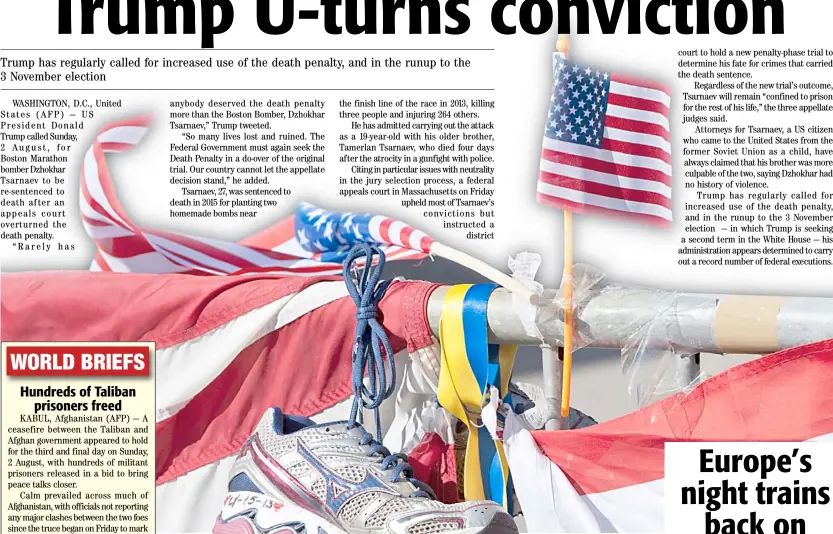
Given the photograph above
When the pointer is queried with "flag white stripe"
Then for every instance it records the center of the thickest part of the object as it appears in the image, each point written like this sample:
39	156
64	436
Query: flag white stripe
395	233
374	228
189	253
637	91
615	134
638	115
617	204
106	232
607	155
293	248
416	240
605	178
94	187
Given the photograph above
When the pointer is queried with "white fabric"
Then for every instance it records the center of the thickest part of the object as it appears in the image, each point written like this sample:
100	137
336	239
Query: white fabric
550	503
415	410
548	499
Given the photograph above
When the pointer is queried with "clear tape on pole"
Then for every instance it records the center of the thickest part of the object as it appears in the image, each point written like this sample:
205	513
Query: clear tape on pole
524	267
653	328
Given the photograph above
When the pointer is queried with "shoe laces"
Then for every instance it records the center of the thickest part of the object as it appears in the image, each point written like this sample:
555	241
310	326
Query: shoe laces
397	463
371	349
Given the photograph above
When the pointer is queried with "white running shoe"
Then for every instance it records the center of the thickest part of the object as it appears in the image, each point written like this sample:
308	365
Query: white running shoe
296	477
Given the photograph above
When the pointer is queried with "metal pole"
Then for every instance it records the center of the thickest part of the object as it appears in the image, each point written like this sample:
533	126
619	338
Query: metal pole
688	370
553	367
688	322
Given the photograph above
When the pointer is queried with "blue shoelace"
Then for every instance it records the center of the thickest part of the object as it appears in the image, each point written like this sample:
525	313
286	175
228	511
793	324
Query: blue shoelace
371	340
398	463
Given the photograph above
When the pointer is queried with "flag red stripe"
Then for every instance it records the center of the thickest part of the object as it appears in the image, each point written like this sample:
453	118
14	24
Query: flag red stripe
634	102
632	125
635	149
562	204
631	195
640	82
735	405
608	167
384	229
115	147
405	236
125	247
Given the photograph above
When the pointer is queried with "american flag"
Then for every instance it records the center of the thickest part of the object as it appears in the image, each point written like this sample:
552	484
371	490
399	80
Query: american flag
606	145
314	247
331	234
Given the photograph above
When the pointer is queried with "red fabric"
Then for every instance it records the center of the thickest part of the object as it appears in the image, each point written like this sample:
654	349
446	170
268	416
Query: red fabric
435	464
786	396
303	367
165	308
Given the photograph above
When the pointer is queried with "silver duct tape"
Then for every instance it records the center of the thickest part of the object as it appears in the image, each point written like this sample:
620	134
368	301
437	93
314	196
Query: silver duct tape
695	322
804	320
621	317
615	317
504	324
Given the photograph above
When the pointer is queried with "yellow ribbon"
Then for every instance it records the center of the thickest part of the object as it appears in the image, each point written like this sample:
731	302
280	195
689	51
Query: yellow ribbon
463	395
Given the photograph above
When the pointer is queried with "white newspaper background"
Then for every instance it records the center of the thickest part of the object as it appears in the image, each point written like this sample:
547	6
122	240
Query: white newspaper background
505	79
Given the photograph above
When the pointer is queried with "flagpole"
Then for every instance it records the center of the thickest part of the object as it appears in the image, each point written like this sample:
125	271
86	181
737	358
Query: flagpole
562	46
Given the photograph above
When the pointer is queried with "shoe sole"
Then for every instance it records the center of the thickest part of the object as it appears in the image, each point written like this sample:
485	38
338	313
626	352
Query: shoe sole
499	525
247	515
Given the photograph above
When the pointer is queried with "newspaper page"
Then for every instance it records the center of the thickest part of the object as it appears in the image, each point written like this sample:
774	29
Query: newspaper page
368	266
